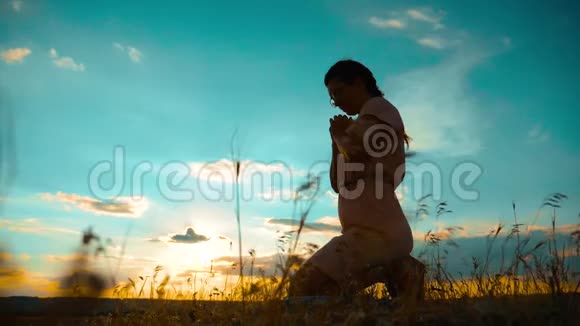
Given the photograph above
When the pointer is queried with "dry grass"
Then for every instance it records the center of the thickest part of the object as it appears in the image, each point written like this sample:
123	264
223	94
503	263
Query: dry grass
534	284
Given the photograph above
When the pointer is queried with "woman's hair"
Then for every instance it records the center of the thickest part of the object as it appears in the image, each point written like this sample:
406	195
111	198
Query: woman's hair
347	71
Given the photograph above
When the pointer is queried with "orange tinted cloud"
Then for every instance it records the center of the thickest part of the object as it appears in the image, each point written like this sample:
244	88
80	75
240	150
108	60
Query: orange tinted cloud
14	55
17	281
119	206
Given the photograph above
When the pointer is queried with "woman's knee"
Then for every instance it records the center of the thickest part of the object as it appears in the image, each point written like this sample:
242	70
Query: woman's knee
297	283
310	281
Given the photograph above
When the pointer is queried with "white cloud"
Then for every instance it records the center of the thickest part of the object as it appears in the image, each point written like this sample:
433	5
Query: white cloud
223	170
119	206
69	63
284	194
33	225
17	5
476	227
386	23
534	132
427	15
65	62
329	220
560	229
134	54
438	111
538	134
402	193
327	225
420	24
333	196
15	55
431	42
262	180
119	46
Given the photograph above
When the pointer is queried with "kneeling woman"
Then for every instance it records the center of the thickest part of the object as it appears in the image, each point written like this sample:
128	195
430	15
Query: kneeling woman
368	164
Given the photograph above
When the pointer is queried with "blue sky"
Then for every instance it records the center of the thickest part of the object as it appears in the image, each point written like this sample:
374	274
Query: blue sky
491	84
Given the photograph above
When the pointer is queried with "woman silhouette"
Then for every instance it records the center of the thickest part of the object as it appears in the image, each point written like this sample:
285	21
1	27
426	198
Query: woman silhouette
368	164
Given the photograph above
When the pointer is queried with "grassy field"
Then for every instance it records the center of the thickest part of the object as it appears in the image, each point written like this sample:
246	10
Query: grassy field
534	285
505	310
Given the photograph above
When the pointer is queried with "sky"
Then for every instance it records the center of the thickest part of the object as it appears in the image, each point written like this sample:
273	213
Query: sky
120	116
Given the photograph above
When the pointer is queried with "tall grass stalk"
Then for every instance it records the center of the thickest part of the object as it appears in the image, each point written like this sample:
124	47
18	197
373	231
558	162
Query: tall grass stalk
235	157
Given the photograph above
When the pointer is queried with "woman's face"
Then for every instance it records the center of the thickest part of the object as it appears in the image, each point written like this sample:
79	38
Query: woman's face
344	96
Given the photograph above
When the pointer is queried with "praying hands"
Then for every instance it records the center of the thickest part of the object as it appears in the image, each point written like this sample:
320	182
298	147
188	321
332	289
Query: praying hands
347	143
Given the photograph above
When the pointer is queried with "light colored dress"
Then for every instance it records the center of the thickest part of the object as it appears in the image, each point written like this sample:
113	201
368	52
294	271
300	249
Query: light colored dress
375	230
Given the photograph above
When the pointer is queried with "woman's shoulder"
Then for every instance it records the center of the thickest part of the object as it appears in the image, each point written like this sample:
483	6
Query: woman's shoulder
383	110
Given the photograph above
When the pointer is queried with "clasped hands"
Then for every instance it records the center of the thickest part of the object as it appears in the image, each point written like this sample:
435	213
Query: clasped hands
347	146
338	125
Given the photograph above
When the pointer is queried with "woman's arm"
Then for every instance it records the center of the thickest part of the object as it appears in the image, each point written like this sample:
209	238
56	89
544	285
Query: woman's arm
333	169
369	129
350	140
